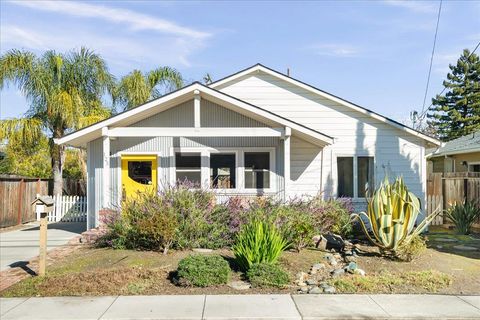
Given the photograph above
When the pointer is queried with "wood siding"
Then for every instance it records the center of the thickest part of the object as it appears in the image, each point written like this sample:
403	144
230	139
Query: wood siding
396	152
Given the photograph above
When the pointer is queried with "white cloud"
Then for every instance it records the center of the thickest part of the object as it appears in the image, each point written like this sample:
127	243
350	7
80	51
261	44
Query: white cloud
135	20
415	6
333	50
120	51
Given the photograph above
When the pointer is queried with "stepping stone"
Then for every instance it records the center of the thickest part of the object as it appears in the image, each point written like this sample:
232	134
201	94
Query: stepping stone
239	285
202	250
464	248
445	240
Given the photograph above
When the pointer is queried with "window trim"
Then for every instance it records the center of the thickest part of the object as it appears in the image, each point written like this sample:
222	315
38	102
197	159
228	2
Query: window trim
355	171
240	168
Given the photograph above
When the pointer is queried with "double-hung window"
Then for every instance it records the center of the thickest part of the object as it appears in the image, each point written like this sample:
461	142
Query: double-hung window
355	176
257	170
188	167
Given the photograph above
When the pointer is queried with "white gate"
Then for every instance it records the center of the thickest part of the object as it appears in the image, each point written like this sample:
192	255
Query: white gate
68	209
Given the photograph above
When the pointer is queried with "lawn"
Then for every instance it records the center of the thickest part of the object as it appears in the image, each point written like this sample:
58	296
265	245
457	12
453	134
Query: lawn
94	271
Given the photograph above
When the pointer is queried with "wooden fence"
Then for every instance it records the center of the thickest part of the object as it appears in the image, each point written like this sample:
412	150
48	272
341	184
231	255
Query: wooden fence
446	189
68	209
18	193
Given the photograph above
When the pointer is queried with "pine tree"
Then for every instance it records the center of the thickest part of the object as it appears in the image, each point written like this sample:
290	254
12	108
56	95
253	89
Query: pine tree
457	112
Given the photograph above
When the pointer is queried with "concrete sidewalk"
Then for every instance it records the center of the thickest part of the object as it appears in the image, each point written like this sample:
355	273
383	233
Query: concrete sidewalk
244	307
17	247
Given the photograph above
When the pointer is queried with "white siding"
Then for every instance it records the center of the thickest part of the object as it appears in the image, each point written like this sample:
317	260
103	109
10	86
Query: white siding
395	152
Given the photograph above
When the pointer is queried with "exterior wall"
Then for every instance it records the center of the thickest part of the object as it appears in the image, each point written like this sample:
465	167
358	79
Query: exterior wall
395	152
211	114
453	163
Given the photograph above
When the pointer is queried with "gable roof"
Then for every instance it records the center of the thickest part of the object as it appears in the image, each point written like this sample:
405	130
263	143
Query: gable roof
466	144
129	117
351	105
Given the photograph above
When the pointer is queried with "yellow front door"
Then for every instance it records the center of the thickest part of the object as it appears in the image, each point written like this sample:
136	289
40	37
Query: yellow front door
139	174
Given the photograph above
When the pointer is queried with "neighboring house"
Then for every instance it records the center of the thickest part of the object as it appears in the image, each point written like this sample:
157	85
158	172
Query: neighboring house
459	155
256	132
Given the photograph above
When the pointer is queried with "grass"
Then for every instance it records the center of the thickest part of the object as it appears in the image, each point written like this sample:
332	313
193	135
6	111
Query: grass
386	282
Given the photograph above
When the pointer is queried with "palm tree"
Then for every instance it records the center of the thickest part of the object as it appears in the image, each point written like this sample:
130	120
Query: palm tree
136	88
64	92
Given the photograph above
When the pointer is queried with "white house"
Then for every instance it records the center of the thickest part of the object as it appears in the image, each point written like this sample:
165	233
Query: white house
257	131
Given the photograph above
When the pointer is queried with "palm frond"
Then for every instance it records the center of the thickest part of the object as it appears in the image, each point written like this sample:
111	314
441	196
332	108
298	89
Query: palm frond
27	130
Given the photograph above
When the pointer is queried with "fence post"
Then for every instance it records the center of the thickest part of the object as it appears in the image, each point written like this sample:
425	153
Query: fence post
20	201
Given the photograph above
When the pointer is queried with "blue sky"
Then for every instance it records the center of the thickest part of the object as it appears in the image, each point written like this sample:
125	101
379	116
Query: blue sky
373	53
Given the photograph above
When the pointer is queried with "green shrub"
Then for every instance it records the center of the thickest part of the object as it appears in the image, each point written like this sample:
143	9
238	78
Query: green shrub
297	226
409	250
267	275
464	216
331	215
258	241
203	270
202	223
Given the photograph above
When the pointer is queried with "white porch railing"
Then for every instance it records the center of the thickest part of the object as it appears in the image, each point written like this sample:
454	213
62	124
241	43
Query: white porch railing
68	209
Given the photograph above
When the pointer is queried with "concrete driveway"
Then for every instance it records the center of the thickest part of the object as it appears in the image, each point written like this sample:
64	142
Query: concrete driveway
19	246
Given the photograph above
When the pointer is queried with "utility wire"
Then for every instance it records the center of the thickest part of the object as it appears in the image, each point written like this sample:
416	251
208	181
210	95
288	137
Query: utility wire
433	54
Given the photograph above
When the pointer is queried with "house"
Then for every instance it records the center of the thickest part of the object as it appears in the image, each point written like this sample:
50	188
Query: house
459	155
256	132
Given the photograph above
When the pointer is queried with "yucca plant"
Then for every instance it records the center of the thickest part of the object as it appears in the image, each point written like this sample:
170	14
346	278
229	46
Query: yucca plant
258	242
464	215
392	213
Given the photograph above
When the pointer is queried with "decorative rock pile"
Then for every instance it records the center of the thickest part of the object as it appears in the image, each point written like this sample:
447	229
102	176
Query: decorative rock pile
341	260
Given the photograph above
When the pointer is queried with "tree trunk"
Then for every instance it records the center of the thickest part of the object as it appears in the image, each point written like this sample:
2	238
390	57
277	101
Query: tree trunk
58	158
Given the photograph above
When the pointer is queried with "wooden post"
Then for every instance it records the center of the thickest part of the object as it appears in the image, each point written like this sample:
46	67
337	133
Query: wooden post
20	201
43	244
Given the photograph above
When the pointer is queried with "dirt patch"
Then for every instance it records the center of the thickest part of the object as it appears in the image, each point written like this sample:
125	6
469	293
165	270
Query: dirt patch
91	271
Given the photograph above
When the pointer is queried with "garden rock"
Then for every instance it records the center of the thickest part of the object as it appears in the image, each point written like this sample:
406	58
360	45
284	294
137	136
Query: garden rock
349	259
239	285
302	276
315	290
352	266
324	285
334	242
316	267
337	273
303	289
311	282
320	242
360	272
329	289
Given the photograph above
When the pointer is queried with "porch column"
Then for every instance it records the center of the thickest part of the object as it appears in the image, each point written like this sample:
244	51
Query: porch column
106	168
196	109
286	160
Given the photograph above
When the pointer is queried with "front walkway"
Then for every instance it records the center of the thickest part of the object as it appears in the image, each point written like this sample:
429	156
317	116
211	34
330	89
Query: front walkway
244	307
17	247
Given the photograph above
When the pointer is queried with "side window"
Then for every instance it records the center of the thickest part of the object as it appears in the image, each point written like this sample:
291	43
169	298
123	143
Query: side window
345	176
365	171
257	170
188	167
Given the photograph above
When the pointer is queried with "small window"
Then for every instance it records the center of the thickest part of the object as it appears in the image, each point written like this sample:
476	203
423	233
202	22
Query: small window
345	176
257	170
365	175
188	167
475	167
140	171
222	171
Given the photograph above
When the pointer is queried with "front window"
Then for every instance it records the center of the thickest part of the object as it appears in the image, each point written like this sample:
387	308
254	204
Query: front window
257	170
222	171
188	167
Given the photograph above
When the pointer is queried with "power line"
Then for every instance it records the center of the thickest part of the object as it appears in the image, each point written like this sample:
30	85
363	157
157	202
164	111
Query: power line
433	54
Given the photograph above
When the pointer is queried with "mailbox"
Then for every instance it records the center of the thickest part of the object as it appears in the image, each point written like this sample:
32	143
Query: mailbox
43	204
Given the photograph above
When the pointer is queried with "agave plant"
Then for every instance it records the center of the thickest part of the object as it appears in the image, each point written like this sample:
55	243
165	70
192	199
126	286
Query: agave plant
392	213
464	215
